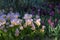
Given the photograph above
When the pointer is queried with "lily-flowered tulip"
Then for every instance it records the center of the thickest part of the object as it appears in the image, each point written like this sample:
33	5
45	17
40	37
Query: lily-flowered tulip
51	23
16	15
38	22
42	30
37	16
43	27
4	16
15	21
38	11
33	26
27	16
2	21
21	28
10	15
29	21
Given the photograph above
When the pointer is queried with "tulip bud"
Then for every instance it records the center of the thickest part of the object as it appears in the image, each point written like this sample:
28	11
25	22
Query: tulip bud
16	32
43	27
41	30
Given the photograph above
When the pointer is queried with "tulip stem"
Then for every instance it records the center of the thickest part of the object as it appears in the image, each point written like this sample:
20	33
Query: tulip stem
56	38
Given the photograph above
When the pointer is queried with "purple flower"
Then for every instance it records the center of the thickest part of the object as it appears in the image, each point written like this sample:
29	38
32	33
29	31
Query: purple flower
51	5
3	16
11	15
17	14
38	11
16	21
33	12
33	9
51	13
2	21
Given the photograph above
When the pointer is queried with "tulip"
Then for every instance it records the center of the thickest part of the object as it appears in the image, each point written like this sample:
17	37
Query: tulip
38	11
21	28
51	23
33	27
37	22
16	22
27	16
2	21
29	21
37	16
43	27
42	30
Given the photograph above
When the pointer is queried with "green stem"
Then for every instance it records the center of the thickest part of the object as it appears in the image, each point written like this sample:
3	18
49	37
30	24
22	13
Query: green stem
56	38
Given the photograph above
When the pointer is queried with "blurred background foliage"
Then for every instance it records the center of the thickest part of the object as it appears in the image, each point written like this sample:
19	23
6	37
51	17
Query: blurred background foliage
22	3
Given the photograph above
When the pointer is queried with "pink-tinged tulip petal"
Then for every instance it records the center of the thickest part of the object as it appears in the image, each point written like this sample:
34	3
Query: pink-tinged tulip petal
43	27
33	27
49	21
21	28
56	20
16	32
52	24
38	11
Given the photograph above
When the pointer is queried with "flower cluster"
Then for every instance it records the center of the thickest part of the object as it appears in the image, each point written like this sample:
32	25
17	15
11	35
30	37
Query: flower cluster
11	21
35	21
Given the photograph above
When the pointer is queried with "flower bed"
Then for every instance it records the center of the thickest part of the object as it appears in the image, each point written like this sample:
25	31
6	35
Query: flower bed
32	24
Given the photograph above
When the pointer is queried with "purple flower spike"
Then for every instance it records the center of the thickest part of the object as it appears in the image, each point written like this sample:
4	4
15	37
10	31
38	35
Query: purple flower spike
32	12
33	9
38	11
51	6
51	13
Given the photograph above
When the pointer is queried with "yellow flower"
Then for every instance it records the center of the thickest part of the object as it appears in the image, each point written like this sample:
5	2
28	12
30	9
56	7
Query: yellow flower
38	22
2	21
21	28
16	22
41	30
29	21
25	25
43	27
